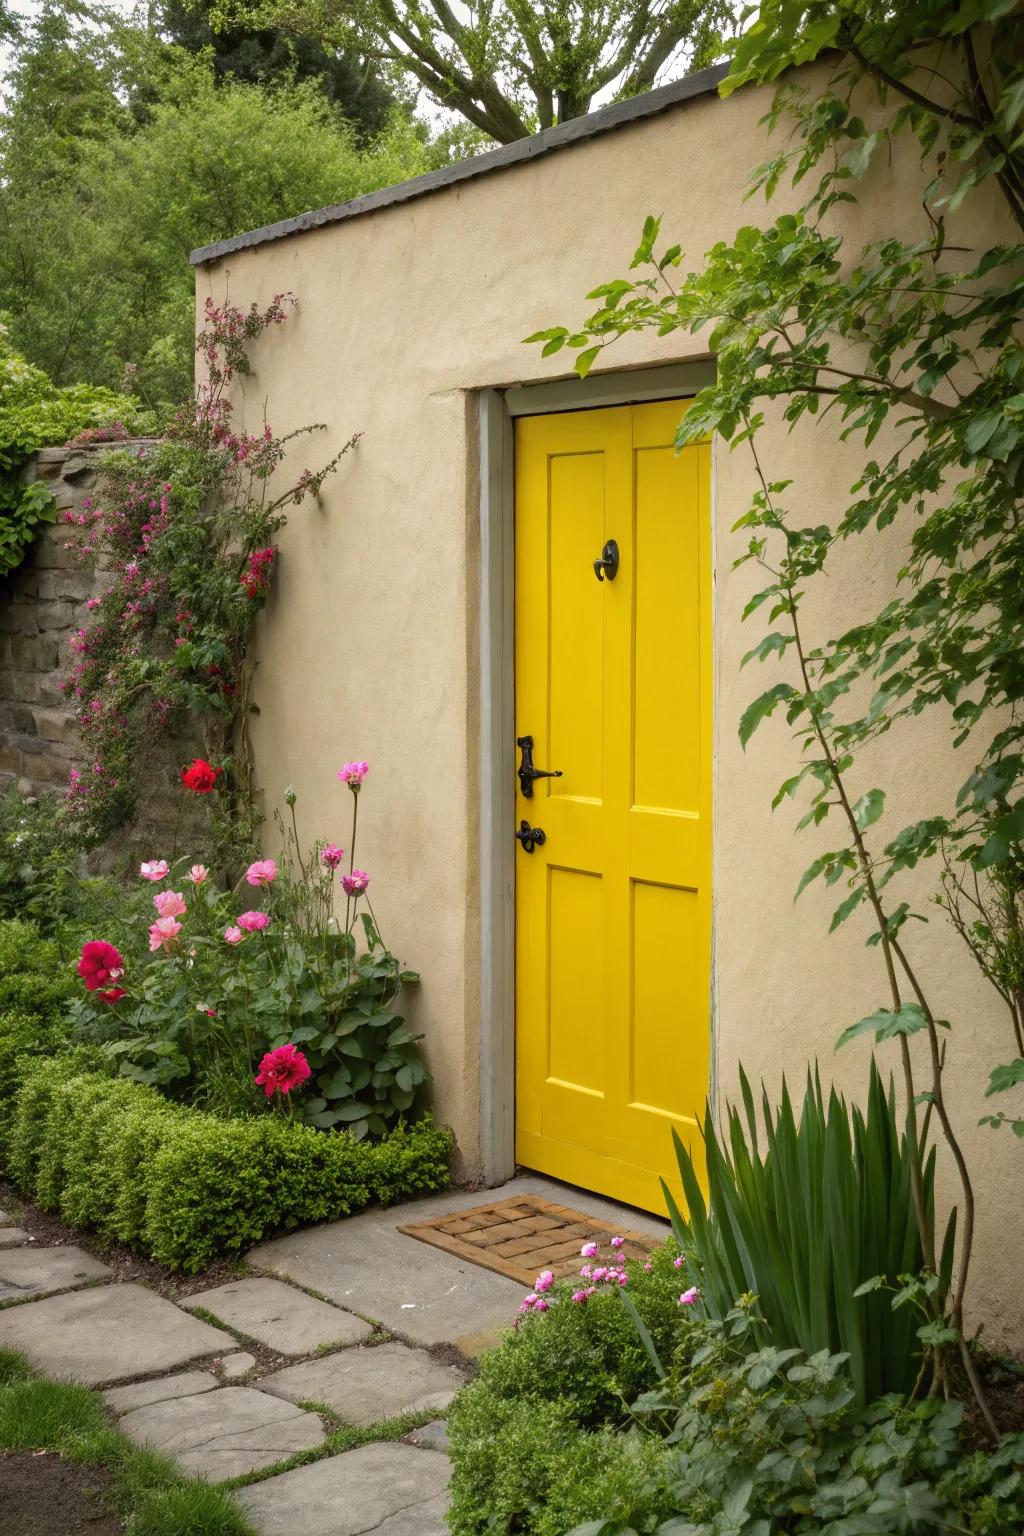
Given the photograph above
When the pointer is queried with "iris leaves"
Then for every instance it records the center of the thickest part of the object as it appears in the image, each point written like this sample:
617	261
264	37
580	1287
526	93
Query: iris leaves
824	1208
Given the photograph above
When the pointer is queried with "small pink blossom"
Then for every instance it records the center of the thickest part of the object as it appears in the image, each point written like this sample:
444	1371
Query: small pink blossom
355	883
581	1296
600	1273
688	1298
677	1263
590	1250
617	1242
198	874
544	1281
540	1305
163	932
586	1272
154	869
263	872
331	855
528	1303
253	922
648	1267
353	774
170	904
211	1013
233	935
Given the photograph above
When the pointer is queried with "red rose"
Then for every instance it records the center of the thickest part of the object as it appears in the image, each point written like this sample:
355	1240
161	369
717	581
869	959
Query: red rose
112	995
200	776
99	964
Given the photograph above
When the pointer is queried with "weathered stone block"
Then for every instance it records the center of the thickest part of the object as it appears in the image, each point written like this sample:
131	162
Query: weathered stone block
54	615
56	725
66	584
39	652
10	758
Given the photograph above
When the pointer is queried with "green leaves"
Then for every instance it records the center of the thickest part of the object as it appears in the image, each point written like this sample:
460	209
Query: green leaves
1005	1077
886	1024
1007	831
762	708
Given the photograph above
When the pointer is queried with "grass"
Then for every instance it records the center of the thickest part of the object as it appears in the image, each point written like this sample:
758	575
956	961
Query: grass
341	1437
151	1495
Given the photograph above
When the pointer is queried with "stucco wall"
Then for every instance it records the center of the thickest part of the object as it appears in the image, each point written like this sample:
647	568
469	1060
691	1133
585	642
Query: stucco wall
369	645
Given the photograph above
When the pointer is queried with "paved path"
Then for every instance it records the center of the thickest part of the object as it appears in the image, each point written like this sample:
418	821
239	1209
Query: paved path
184	1378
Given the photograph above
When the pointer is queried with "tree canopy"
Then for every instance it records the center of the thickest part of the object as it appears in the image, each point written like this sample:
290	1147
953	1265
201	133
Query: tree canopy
507	67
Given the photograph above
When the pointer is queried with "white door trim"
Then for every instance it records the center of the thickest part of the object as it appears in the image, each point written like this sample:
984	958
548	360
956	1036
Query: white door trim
497	409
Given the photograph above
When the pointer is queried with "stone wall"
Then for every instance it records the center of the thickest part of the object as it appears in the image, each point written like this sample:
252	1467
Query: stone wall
39	607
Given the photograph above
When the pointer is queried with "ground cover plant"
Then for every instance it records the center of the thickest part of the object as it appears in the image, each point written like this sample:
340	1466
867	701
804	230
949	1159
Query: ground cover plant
727	1435
138	1487
917	336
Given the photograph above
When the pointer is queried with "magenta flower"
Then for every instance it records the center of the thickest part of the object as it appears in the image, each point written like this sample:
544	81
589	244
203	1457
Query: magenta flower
585	1271
677	1263
198	874
233	935
253	922
688	1298
600	1273
581	1296
590	1250
282	1069
331	855
169	904
353	774
617	1242
540	1305
355	883
263	872
154	869
544	1281
163	933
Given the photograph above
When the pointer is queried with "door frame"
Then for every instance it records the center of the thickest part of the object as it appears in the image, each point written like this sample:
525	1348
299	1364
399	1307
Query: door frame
497	410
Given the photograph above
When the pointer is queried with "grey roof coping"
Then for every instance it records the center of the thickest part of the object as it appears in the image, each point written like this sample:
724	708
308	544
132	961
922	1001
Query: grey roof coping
563	136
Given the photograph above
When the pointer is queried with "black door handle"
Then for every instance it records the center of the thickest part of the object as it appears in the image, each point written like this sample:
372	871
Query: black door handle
527	772
530	837
608	564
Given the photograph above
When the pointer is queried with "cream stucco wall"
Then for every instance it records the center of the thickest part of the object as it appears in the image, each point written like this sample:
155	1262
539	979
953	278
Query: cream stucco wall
369	644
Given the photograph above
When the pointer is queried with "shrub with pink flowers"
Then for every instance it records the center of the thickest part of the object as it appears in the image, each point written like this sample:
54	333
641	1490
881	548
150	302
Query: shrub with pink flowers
186	530
277	995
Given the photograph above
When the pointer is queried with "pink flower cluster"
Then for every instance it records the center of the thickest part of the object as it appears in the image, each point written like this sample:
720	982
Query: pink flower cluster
353	774
613	1273
256	576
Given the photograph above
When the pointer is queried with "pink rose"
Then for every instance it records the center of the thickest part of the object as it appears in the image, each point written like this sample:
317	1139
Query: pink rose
169	904
544	1281
263	872
355	883
688	1298
253	922
163	932
233	935
154	869
198	874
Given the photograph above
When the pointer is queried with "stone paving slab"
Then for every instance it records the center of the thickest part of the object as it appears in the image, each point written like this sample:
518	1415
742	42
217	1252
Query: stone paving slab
38	1271
433	1436
365	1385
224	1433
278	1315
365	1263
10	1237
234	1367
378	1490
107	1333
142	1393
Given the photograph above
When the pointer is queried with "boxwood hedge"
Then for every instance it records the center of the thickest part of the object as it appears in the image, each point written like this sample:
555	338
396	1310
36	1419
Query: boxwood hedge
184	1186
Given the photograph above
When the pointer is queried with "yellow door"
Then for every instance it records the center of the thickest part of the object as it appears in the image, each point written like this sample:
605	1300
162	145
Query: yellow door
613	908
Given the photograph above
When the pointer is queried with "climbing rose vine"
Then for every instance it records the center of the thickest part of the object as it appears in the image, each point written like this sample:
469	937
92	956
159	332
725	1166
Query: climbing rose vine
186	531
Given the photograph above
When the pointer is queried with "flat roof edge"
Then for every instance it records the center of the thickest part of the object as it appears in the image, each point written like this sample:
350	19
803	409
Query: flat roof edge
620	114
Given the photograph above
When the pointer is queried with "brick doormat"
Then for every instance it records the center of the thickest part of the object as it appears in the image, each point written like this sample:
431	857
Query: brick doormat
522	1236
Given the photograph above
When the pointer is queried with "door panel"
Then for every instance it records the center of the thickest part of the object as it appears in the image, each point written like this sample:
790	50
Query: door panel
613	682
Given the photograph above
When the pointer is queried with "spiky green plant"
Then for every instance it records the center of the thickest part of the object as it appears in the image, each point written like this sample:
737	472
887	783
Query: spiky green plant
825	1208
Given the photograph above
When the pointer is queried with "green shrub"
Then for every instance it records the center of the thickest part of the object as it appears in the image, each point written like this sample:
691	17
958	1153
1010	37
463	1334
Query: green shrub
184	1186
526	1466
35	985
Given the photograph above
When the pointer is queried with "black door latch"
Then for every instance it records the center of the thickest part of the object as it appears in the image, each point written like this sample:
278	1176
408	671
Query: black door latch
527	772
531	837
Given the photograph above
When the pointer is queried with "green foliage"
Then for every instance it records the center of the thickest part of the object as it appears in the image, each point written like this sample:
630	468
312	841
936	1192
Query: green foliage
119	155
509	69
35	413
183	1186
35	986
37	872
764	1440
151	1494
806	1224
